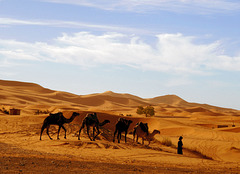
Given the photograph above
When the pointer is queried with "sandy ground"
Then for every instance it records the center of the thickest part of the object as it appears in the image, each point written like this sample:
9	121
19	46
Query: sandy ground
207	148
22	151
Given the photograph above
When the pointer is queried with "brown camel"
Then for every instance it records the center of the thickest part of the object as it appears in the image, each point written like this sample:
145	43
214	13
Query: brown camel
122	126
57	119
141	130
91	120
140	133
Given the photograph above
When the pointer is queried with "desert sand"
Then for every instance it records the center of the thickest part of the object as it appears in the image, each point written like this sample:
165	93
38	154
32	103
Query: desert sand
211	134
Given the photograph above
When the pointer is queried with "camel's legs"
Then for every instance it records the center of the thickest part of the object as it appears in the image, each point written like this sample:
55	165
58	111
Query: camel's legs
61	126
98	132
134	132
93	133
119	136
80	132
48	132
142	141
58	131
43	127
114	135
125	136
65	132
88	133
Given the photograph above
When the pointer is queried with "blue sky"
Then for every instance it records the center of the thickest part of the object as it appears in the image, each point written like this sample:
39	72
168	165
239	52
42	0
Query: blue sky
147	48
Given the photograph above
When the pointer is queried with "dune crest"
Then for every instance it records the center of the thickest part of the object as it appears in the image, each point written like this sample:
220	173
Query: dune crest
20	94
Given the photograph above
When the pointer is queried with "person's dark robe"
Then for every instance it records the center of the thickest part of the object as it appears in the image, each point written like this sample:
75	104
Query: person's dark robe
180	144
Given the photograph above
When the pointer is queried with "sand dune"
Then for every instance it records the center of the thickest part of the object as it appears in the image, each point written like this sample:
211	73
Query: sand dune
211	144
168	99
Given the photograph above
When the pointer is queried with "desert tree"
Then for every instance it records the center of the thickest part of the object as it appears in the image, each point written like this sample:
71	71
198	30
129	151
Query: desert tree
148	110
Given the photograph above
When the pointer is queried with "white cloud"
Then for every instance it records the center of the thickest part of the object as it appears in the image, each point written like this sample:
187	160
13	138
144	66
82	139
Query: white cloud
173	53
180	6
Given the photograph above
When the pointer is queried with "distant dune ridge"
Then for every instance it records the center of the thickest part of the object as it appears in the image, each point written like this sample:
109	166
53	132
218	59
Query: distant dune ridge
27	95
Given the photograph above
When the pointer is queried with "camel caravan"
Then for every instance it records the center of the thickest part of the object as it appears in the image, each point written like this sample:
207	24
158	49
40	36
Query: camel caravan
91	121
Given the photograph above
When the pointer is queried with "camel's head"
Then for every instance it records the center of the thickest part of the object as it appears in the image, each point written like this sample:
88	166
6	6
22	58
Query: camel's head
130	121
60	113
107	121
75	114
156	131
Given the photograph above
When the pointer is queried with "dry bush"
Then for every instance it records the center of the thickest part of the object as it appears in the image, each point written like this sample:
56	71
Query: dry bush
167	142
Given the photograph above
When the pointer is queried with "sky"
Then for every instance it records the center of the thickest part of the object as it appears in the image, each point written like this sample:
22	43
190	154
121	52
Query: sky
148	48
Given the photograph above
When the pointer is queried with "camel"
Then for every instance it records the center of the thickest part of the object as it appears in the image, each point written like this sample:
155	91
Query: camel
91	120
141	130
122	126
56	119
144	135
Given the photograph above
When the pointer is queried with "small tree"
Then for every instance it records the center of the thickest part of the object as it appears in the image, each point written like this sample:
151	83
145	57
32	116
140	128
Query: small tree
140	110
148	111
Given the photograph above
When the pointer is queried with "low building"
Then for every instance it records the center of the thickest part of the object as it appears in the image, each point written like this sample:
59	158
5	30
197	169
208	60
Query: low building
14	112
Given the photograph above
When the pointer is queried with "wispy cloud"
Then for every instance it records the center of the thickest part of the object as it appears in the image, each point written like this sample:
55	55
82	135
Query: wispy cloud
66	24
173	53
179	6
11	21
